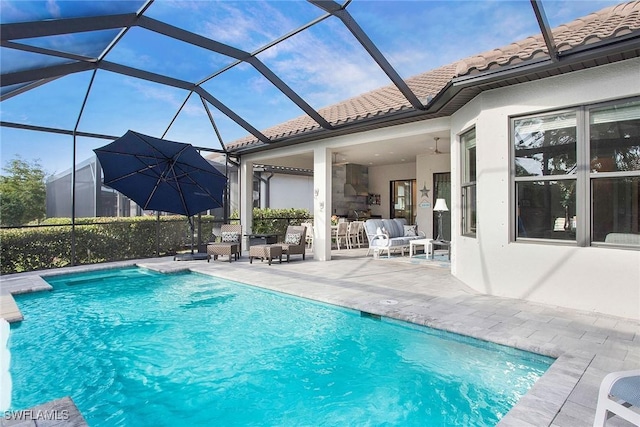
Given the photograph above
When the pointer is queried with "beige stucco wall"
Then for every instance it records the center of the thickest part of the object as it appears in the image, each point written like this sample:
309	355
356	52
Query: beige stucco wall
605	280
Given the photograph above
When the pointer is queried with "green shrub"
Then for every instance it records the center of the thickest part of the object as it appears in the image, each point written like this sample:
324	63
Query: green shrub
97	240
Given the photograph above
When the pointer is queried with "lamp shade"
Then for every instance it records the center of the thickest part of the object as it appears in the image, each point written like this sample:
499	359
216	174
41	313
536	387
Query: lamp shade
441	205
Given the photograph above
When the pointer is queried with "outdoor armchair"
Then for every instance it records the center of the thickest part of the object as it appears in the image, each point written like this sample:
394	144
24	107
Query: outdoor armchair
618	392
295	241
230	244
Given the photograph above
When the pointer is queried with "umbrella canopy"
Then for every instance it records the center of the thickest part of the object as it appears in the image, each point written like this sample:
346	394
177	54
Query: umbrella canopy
161	175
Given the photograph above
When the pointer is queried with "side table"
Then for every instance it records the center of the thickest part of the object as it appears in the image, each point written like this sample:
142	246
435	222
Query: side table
445	243
427	243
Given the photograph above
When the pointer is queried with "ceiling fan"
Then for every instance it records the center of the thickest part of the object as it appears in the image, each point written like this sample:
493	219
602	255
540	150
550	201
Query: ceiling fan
436	151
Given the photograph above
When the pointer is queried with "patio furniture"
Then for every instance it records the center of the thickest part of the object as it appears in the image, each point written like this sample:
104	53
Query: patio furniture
309	234
391	234
268	252
262	239
618	392
230	244
342	234
445	243
231	250
294	241
427	243
353	233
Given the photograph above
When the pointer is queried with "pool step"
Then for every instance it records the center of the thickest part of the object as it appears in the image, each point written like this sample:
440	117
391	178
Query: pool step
8	308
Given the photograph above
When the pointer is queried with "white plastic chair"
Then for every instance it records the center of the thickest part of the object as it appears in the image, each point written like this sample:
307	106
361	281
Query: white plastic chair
342	234
618	392
309	235
353	238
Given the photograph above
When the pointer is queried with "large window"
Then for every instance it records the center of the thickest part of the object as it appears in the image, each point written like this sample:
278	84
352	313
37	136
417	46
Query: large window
577	175
469	218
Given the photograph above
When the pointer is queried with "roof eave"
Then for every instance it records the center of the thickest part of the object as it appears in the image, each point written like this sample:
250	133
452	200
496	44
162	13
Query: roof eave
465	88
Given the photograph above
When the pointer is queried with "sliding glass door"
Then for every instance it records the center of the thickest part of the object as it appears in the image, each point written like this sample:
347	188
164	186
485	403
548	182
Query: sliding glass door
403	199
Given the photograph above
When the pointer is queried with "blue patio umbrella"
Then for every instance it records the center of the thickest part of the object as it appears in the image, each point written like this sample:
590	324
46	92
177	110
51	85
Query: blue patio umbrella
161	175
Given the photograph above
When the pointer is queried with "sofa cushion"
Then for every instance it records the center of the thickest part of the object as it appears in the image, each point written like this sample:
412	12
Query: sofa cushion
293	239
394	227
230	237
371	225
410	230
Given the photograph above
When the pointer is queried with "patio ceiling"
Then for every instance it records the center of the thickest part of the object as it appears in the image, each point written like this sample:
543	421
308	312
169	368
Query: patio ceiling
200	63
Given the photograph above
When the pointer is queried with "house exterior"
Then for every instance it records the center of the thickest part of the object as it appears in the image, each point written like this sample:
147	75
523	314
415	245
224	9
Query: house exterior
543	152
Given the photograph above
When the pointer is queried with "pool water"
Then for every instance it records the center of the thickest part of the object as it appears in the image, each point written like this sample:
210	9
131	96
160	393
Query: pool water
133	347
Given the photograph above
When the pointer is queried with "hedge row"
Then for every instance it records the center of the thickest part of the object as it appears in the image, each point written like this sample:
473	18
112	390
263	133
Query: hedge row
114	239
96	239
275	221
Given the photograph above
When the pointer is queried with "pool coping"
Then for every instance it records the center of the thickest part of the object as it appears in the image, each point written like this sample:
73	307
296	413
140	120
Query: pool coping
564	395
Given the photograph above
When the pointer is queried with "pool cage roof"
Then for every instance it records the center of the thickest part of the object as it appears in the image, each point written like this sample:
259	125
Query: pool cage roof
249	66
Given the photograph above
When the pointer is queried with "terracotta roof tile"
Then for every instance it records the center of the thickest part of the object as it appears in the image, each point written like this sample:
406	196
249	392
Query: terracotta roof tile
608	23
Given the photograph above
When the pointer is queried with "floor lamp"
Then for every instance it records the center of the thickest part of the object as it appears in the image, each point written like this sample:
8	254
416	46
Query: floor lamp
441	206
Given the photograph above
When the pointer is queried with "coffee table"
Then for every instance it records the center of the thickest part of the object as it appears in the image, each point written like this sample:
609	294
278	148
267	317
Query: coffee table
427	243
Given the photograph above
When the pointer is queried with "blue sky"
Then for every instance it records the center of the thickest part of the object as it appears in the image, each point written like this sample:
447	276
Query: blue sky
324	64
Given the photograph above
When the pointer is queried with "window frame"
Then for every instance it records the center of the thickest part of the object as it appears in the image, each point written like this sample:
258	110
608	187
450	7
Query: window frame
468	185
584	176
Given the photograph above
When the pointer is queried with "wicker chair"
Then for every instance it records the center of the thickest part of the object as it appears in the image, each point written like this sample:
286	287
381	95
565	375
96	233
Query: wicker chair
300	246
231	244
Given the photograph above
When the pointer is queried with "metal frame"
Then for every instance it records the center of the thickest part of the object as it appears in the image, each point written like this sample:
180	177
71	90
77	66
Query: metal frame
10	34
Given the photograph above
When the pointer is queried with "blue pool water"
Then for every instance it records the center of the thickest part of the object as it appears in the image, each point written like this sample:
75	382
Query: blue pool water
134	347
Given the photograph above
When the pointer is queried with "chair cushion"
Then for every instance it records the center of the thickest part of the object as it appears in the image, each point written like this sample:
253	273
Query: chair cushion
410	230
627	389
230	237
292	239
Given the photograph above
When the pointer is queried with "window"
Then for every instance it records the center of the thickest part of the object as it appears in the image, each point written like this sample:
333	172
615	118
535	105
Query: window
577	174
469	217
614	152
545	175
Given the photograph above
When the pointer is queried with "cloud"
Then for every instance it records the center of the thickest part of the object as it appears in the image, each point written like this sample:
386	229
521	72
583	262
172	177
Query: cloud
53	8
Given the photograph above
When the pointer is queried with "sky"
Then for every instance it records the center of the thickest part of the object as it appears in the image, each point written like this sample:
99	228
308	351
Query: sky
323	64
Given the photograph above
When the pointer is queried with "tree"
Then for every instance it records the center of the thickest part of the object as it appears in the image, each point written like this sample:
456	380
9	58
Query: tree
22	192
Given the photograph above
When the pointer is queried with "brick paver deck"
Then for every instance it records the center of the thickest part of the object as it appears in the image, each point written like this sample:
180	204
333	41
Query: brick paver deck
587	345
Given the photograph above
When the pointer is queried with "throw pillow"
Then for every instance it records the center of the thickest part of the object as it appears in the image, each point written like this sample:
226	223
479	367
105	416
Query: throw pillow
410	230
230	237
292	239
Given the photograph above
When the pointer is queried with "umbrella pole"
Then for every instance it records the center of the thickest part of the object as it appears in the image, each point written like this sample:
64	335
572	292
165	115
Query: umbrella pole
191	225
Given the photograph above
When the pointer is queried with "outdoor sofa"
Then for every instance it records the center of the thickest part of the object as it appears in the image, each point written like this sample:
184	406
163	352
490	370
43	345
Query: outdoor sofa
391	234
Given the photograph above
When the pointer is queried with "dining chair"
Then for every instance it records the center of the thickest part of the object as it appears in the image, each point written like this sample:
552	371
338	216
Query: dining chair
355	228
342	234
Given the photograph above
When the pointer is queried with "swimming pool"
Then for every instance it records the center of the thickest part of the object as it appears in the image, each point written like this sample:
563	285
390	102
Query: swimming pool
135	347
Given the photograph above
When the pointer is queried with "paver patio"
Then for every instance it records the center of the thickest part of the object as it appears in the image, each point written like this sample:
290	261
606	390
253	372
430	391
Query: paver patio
587	345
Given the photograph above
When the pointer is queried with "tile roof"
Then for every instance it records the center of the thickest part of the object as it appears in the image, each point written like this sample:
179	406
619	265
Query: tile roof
609	23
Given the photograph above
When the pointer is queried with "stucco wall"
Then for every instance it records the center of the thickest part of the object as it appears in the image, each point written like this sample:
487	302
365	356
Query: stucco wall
291	191
605	280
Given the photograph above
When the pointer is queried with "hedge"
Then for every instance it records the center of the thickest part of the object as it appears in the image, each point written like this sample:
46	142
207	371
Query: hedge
97	240
275	221
113	239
